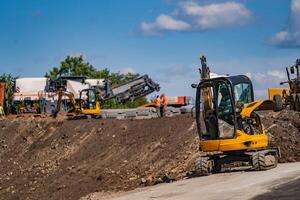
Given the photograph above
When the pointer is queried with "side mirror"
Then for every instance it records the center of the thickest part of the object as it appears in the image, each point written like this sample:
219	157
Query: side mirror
194	85
292	70
281	83
298	62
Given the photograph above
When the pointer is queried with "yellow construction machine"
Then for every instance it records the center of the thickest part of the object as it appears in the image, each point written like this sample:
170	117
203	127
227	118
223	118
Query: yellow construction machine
284	97
88	104
229	128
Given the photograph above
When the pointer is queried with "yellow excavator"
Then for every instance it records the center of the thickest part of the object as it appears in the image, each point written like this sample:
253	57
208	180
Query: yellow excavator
229	128
88	103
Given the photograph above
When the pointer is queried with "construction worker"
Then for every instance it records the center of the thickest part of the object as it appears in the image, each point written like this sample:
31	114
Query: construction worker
157	101
1	111
164	102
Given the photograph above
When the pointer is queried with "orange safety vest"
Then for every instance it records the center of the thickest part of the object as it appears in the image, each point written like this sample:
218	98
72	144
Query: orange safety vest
165	100
157	102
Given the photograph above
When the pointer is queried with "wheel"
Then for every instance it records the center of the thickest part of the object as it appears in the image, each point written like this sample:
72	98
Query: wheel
292	105
262	161
203	166
217	168
297	103
278	103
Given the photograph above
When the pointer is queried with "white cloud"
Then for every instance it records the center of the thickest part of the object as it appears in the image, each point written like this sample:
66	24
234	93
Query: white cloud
295	5
264	80
248	74
164	22
265	72
259	77
280	36
286	39
127	70
273	76
217	15
277	74
290	37
191	16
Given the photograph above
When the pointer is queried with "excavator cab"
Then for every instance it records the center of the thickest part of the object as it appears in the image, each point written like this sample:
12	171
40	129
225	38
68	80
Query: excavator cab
89	102
218	105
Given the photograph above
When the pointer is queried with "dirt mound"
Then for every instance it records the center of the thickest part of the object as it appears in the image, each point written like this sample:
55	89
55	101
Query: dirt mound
284	131
56	159
50	159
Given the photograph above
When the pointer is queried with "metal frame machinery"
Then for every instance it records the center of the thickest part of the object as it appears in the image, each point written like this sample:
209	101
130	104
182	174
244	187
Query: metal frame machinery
290	96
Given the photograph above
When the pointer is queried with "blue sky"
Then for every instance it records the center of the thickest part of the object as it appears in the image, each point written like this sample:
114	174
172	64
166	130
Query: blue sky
163	38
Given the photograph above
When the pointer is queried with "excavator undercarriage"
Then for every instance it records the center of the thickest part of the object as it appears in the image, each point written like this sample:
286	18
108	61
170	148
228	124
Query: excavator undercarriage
257	160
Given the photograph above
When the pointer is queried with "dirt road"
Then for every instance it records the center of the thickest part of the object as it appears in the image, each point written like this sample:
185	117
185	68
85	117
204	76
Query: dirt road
234	186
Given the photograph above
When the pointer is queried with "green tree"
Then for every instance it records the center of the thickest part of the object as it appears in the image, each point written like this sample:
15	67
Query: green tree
77	66
9	80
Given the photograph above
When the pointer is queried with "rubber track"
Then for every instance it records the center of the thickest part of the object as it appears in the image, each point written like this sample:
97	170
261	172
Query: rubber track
259	162
202	166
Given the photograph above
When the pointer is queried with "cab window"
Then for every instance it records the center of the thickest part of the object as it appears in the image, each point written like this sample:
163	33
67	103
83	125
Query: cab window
225	111
208	120
88	99
242	93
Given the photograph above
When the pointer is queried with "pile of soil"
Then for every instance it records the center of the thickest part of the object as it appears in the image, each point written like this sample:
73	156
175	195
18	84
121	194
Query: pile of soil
61	159
51	159
284	130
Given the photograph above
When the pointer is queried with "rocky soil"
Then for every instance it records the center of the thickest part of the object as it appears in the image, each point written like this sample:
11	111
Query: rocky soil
60	159
284	130
49	159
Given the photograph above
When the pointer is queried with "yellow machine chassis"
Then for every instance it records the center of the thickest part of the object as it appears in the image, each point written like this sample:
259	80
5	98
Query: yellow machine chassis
95	112
242	140
278	91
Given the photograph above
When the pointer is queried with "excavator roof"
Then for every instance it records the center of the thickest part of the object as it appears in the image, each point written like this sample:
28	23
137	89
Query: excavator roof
239	79
233	79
